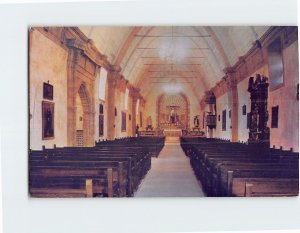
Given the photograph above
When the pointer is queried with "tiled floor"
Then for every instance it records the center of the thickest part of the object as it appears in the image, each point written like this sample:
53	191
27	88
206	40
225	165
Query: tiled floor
171	175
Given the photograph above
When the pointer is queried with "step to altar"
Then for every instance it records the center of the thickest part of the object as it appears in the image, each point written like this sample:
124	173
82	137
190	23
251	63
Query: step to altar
172	132
172	141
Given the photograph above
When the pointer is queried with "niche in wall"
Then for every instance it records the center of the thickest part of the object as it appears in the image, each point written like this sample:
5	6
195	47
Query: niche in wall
274	121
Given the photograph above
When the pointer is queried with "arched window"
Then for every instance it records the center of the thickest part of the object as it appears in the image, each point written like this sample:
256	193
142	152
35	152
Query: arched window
137	107
102	83
275	64
126	99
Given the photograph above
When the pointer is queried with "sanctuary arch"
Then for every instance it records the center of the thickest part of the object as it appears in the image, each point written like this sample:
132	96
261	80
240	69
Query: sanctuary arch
173	111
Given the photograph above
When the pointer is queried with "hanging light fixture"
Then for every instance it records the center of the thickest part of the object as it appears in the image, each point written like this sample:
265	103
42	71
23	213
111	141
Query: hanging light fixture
172	87
173	50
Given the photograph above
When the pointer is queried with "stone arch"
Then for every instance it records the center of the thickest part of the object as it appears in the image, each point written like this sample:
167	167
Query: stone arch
81	89
88	119
186	109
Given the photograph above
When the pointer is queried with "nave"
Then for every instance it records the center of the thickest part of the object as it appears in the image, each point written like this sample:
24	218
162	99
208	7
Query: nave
171	175
163	111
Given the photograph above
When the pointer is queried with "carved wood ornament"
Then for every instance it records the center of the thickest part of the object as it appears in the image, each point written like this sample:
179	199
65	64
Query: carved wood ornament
259	133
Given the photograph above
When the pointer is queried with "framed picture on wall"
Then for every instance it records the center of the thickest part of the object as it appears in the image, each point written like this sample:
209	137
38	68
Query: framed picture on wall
248	120
123	125
101	110
224	120
47	91
274	119
101	125
47	120
244	109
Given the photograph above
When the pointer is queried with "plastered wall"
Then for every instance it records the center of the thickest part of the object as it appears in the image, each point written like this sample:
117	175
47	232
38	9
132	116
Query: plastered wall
223	104
48	62
287	133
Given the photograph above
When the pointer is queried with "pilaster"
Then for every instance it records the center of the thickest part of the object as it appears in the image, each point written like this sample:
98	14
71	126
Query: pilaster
231	82
112	83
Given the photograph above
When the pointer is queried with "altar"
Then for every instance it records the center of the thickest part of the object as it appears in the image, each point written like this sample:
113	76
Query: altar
172	132
172	114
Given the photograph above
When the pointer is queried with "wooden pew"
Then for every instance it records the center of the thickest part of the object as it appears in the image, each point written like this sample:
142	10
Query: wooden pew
111	168
250	187
107	178
214	161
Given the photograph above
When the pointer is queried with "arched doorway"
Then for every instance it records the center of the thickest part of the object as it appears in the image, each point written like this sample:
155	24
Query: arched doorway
79	139
173	111
81	120
84	118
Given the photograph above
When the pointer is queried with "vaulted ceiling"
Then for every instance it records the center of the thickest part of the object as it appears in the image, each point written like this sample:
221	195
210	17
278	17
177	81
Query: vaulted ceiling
174	56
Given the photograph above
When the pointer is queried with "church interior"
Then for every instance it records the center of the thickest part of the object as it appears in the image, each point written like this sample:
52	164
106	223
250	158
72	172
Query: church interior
163	111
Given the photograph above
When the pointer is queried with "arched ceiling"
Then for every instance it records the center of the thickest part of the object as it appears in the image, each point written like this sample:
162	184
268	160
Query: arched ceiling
174	56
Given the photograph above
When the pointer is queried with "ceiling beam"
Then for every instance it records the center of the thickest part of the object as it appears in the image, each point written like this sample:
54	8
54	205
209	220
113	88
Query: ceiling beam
170	77
122	52
173	71
160	57
186	48
174	64
170	82
171	36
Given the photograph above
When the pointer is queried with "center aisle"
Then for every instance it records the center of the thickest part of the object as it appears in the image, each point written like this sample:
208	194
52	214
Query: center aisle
171	175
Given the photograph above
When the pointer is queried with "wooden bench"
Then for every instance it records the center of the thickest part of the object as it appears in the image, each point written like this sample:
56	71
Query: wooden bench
111	168
219	163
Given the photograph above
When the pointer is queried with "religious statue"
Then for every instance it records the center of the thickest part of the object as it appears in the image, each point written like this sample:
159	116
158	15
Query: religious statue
172	116
196	122
137	133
